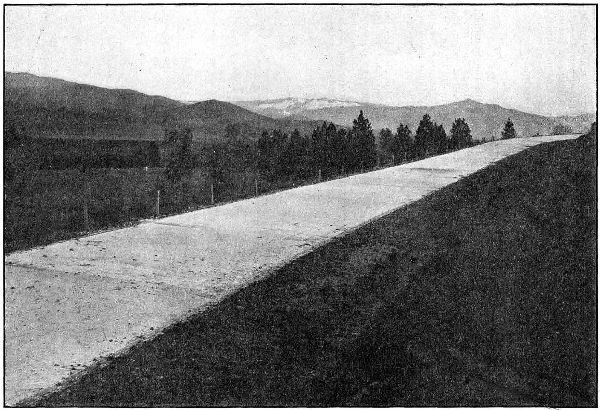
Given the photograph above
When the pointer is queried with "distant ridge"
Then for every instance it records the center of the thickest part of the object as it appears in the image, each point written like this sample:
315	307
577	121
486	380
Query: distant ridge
54	108
50	107
486	120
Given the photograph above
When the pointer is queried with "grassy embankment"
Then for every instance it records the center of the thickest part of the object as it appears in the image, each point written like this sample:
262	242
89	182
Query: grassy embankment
483	293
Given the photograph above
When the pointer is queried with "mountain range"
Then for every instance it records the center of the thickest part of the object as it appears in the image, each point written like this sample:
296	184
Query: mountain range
485	120
50	107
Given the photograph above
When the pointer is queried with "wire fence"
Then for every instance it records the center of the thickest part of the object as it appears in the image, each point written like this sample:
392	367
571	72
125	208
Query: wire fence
45	206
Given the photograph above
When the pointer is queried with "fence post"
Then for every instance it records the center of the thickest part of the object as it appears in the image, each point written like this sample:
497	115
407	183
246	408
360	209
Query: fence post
256	186
393	159
319	174
157	203
86	199
212	193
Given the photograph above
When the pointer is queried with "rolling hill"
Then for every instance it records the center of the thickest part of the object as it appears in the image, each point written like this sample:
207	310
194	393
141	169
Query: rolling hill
213	119
54	108
50	107
485	120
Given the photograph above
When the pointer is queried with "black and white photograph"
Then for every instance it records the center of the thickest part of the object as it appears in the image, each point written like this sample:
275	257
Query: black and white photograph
300	205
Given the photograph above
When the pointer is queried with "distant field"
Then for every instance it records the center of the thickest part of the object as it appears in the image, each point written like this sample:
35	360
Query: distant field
480	294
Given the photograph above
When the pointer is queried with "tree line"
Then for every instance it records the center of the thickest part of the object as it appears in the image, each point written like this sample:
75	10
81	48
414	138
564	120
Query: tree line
328	151
335	150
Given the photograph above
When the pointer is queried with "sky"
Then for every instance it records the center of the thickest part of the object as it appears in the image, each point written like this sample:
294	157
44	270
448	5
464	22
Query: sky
540	59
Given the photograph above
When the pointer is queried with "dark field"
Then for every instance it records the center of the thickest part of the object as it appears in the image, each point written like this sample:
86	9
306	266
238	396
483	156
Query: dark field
45	206
481	294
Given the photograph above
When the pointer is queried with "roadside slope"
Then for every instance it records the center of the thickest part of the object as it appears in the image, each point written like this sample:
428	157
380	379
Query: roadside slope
482	293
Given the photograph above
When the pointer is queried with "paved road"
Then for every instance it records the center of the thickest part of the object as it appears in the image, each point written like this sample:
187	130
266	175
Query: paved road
72	302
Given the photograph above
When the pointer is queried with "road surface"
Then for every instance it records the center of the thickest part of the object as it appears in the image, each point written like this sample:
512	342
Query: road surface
70	303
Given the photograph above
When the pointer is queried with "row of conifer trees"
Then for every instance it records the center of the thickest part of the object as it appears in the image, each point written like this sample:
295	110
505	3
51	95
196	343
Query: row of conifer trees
328	151
334	150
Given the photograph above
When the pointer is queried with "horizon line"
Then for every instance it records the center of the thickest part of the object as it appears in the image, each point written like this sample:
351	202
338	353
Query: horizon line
187	101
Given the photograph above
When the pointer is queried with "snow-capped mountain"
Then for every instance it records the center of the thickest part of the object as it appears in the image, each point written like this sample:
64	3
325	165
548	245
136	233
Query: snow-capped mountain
285	107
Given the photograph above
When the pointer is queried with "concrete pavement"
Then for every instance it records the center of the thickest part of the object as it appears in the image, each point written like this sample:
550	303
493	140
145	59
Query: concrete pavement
69	303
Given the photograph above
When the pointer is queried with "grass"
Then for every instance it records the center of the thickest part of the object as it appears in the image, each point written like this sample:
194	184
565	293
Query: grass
481	294
45	206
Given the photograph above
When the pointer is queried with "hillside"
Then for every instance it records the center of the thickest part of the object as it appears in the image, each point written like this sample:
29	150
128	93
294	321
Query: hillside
485	120
50	107
214	118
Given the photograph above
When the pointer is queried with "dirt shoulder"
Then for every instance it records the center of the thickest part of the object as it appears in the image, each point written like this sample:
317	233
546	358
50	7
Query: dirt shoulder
481	294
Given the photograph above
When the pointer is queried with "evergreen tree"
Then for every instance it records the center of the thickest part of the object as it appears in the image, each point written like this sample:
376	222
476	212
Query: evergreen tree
216	163
330	154
403	144
294	155
363	142
460	135
280	143
397	147
509	130
386	141
345	155
265	153
352	151
424	136
338	149
439	143
319	148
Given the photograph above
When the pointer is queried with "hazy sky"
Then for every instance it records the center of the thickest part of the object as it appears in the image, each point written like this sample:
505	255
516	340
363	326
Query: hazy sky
537	58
